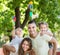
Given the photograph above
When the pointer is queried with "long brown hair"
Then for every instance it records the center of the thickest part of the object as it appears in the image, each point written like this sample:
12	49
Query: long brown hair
30	50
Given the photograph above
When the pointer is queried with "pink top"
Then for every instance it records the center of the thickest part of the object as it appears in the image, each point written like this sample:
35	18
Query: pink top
1	51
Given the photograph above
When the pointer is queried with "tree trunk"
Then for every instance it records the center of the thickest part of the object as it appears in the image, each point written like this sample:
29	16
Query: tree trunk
26	18
17	14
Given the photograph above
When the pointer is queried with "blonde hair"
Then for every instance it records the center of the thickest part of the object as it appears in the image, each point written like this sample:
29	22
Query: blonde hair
19	29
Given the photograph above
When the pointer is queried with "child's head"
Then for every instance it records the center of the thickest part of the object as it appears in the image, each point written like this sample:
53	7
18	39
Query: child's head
19	32
43	26
25	46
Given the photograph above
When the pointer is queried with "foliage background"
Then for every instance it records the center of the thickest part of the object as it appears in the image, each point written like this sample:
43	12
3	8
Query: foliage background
48	10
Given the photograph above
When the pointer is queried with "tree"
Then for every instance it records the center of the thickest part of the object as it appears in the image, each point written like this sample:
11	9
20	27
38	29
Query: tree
17	14
47	9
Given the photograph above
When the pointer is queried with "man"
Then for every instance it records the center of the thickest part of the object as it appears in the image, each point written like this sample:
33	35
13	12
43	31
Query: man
39	42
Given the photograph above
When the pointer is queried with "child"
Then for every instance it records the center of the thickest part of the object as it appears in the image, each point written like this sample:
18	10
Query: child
25	47
18	37
44	30
12	47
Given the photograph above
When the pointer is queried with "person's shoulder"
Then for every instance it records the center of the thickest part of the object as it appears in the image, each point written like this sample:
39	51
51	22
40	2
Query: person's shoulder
21	38
27	36
47	37
49	31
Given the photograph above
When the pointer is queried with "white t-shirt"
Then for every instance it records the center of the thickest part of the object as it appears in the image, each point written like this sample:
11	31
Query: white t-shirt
40	44
49	31
15	42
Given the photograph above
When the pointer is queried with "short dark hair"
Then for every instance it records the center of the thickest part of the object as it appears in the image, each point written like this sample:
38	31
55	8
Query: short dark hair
43	23
32	21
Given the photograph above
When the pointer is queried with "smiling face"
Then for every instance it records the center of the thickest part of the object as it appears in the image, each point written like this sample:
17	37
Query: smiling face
32	28
25	46
19	32
43	28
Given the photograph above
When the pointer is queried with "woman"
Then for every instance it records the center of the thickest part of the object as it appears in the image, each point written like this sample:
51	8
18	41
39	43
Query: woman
25	47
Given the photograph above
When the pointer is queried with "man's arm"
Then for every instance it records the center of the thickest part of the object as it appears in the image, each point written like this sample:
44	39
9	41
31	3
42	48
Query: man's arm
53	40
10	48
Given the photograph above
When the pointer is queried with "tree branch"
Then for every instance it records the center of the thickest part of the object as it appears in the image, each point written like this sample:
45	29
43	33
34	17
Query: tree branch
17	14
26	18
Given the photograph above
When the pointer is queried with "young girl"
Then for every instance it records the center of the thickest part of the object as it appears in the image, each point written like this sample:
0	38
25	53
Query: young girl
25	47
12	47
